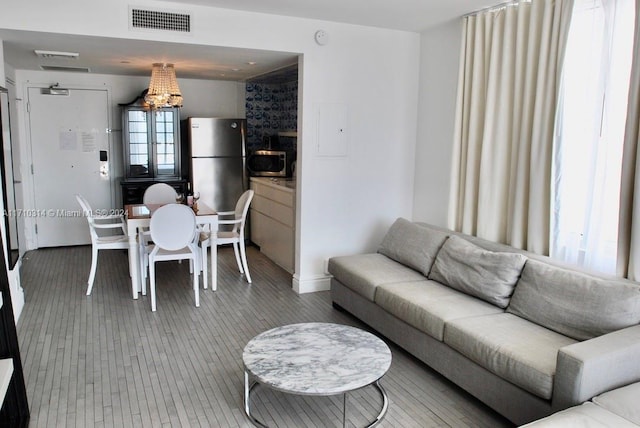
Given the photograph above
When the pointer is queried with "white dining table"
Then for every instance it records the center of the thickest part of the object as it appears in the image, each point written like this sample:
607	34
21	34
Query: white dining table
139	216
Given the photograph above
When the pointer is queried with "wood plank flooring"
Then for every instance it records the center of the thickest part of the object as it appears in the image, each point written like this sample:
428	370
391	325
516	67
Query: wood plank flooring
108	361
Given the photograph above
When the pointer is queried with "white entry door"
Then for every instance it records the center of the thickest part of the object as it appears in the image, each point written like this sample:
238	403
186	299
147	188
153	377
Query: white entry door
71	154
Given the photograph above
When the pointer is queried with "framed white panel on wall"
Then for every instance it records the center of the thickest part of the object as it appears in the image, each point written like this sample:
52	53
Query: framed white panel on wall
331	138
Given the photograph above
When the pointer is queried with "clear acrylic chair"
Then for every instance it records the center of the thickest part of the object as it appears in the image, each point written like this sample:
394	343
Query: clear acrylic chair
173	232
99	241
235	236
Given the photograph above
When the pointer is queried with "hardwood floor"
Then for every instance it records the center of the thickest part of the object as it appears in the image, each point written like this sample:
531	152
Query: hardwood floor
107	360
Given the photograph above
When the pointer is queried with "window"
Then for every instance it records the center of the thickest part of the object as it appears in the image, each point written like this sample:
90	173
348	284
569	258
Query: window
590	133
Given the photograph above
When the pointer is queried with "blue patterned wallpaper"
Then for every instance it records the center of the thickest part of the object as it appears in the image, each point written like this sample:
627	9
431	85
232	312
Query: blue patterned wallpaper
271	108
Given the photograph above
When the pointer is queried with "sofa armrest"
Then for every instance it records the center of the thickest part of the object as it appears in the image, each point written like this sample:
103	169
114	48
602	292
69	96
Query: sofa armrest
589	368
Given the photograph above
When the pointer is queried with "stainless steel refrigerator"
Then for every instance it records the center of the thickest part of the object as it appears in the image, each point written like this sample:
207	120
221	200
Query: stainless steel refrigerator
217	170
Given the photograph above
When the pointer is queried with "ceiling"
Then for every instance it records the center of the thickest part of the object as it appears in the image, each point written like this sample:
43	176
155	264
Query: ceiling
407	15
103	55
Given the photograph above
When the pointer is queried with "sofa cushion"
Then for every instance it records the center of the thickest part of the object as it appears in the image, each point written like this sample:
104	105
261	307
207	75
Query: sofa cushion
364	272
573	303
622	401
428	305
412	245
587	415
488	275
515	349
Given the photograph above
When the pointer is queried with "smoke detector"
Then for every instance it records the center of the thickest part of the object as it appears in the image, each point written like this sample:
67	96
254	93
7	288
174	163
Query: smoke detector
56	54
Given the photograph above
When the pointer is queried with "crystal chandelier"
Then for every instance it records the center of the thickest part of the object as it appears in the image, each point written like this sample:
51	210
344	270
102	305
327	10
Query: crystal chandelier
163	87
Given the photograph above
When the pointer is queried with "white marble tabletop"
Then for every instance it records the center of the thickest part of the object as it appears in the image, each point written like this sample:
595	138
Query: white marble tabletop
316	358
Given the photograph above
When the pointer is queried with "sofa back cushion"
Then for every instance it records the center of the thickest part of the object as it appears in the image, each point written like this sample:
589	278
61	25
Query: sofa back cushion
489	275
573	303
412	245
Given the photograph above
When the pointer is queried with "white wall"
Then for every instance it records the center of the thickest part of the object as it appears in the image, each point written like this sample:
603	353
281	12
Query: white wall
2	72
440	51
344	204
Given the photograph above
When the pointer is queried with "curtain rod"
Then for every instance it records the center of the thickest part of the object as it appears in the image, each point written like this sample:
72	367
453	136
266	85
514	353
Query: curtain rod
496	7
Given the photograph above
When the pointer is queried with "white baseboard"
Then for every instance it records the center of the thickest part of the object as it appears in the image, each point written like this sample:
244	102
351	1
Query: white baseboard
311	285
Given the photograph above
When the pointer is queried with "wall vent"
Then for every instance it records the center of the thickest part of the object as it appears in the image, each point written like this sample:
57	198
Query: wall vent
160	20
64	68
56	54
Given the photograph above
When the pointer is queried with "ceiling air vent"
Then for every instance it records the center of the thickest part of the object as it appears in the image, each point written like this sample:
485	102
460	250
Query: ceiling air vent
56	54
64	68
160	20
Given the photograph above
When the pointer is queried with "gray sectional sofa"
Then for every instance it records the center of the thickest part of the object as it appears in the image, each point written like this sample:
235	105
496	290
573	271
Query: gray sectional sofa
617	408
525	335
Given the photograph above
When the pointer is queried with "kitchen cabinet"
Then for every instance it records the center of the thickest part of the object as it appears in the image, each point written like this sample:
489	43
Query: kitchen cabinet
152	149
272	220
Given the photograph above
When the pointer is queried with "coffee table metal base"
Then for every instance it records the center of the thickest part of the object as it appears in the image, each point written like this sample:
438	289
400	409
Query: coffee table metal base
249	386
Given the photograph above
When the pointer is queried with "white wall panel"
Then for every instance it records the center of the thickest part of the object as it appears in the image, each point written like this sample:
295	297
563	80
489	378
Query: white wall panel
440	47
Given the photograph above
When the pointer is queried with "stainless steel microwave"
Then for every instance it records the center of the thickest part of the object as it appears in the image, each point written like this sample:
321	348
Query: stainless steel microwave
267	163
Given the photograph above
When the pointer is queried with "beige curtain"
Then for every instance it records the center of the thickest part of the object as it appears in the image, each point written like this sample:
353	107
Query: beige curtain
507	90
629	221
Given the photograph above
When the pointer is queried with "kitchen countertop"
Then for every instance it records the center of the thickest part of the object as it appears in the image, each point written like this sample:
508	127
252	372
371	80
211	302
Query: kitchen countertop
288	184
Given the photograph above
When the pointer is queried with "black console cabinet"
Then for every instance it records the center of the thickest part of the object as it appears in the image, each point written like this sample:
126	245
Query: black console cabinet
15	408
133	190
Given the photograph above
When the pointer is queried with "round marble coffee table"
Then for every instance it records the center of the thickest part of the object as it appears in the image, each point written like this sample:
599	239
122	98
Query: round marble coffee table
315	359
